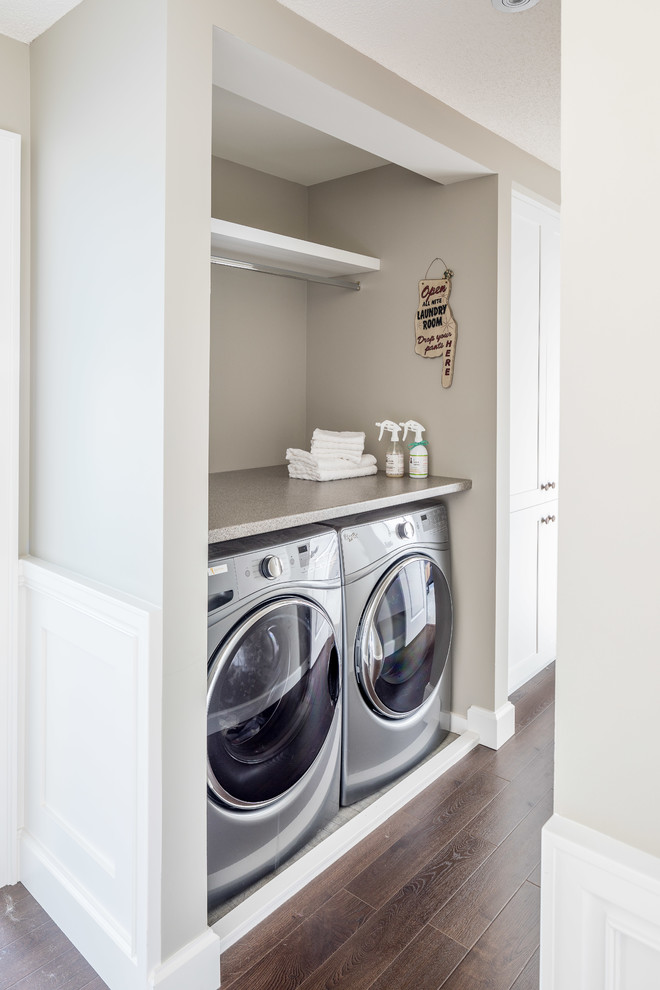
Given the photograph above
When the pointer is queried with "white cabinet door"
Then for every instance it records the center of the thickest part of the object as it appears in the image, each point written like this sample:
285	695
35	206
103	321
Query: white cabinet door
532	591
534	409
534	439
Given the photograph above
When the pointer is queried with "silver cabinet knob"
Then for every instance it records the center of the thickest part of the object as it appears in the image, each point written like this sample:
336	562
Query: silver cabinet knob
271	567
547	519
548	485
405	530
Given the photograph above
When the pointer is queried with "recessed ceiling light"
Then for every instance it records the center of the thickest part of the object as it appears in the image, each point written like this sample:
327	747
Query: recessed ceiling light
511	6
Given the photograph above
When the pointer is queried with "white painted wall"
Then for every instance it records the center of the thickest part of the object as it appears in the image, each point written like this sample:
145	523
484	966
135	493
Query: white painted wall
15	116
121	198
608	672
10	286
98	117
14	323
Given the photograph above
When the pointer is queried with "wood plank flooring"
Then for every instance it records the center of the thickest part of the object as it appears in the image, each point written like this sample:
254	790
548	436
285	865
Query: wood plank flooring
445	894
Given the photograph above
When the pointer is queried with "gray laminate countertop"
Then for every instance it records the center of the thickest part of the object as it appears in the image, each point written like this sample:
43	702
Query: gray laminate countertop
259	500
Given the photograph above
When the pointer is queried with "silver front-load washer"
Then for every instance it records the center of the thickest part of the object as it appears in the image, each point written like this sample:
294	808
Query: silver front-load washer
273	702
398	619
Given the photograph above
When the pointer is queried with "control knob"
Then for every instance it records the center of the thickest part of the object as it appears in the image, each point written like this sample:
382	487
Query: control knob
271	567
405	530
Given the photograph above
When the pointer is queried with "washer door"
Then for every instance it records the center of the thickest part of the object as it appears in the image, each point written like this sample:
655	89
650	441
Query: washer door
273	687
404	637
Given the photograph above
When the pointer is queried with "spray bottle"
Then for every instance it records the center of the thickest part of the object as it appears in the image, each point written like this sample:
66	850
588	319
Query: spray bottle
419	454
394	452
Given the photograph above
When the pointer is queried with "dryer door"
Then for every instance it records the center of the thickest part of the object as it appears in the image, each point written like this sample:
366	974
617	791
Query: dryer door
404	637
273	688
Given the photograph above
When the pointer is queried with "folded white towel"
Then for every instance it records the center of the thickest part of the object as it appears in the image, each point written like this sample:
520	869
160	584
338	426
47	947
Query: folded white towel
304	458
334	436
307	474
346	445
348	456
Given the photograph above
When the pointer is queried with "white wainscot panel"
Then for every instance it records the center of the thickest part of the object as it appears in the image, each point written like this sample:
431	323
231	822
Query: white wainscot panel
91	694
600	914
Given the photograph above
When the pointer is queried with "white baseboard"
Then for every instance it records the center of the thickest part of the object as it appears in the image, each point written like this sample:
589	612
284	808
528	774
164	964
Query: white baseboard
195	967
524	671
492	727
458	724
271	895
600	912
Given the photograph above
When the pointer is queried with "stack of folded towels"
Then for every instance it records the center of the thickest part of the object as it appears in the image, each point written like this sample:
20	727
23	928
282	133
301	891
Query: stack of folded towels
332	456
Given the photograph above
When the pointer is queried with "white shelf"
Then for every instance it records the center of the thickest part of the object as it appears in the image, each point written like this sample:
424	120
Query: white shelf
249	244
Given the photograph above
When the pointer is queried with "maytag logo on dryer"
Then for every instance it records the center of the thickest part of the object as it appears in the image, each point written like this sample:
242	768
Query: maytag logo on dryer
349	537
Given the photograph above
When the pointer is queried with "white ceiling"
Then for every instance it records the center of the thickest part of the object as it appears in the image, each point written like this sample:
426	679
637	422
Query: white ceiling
25	20
500	69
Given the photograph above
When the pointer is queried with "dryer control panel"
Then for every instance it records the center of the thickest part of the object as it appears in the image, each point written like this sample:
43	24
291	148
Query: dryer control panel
365	543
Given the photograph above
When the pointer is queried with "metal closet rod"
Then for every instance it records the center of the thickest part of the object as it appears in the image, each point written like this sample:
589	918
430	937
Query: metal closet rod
252	267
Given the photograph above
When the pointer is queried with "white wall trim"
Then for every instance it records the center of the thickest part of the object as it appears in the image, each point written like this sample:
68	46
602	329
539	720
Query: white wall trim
91	854
275	892
493	728
10	282
600	911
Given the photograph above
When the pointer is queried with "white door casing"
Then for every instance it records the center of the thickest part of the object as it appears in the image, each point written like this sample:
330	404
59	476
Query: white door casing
534	431
10	276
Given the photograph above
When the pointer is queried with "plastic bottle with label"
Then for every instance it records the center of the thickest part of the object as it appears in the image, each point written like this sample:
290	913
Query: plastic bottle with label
418	465
394	467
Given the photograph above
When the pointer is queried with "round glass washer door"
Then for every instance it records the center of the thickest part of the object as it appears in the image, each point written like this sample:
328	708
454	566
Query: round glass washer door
404	638
273	687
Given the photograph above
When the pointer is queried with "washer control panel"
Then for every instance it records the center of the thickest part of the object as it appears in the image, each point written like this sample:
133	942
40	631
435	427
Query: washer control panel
239	568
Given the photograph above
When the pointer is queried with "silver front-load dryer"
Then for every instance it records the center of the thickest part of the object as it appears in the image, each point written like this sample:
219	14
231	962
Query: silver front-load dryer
273	701
398	618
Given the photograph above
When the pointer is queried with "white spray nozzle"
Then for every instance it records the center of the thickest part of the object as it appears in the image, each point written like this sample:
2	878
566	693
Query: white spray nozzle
415	428
393	428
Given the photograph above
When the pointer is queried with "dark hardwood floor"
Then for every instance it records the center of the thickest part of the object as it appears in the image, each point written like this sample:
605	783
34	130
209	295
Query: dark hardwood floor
443	894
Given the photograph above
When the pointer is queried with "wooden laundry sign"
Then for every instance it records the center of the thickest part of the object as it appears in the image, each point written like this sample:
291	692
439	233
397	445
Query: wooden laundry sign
435	327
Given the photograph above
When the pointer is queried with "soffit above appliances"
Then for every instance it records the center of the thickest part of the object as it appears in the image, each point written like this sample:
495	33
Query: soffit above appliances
253	75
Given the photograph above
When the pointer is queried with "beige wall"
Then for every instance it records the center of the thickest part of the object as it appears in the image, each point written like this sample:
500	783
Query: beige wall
286	359
608	669
256	199
15	116
258	330
362	366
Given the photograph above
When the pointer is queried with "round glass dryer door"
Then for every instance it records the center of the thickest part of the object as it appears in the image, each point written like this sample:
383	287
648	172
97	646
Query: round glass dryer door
273	687
404	637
